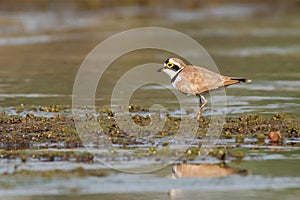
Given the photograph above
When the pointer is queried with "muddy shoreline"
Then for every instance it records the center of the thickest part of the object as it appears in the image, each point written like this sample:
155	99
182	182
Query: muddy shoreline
22	136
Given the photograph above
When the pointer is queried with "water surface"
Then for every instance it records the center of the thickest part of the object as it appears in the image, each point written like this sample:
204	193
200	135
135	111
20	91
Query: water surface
39	62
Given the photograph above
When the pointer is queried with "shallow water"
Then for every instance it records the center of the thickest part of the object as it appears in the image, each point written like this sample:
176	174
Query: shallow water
50	54
266	176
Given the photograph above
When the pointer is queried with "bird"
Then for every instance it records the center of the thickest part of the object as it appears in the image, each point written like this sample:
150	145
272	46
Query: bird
195	80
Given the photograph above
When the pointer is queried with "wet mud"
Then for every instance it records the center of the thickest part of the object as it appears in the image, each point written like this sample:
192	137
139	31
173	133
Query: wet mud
22	135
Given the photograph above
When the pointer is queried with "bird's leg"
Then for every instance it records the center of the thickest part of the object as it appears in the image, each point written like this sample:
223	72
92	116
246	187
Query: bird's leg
202	103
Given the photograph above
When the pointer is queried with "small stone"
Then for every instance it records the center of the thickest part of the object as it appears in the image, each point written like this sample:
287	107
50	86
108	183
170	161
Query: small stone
274	136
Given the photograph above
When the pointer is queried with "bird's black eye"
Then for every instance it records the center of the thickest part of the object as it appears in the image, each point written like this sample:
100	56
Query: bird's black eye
170	65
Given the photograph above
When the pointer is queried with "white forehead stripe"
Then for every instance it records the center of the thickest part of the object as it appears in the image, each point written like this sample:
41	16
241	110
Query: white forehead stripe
176	63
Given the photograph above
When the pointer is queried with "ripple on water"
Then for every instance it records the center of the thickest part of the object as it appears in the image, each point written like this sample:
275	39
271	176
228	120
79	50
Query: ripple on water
272	86
220	11
261	32
8	41
261	51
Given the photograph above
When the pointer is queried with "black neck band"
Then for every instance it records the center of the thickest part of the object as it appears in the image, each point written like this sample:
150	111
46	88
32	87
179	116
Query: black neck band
176	75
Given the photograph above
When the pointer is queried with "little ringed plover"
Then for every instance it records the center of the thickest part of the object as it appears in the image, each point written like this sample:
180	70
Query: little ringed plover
194	80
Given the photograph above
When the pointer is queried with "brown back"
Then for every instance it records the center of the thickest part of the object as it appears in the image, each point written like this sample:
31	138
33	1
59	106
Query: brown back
195	80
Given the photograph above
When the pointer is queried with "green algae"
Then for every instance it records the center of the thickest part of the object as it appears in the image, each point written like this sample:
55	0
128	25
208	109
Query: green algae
47	155
21	136
58	131
78	172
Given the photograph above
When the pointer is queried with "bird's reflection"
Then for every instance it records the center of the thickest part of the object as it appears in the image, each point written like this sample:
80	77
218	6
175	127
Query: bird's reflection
201	171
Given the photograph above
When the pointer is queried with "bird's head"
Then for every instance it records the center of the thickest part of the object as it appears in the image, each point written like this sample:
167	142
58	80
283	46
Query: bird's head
172	66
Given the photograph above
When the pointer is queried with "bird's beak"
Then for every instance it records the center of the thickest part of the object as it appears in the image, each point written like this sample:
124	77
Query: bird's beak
160	69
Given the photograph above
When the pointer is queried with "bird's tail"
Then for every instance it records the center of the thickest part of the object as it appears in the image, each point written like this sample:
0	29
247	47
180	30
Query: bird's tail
236	80
241	80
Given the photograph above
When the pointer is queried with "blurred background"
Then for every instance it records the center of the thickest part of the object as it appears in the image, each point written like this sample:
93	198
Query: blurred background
43	43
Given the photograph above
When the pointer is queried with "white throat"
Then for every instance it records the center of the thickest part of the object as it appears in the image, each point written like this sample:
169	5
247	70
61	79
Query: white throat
171	73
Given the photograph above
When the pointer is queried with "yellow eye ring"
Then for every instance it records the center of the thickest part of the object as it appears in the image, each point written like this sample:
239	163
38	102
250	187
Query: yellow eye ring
170	65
